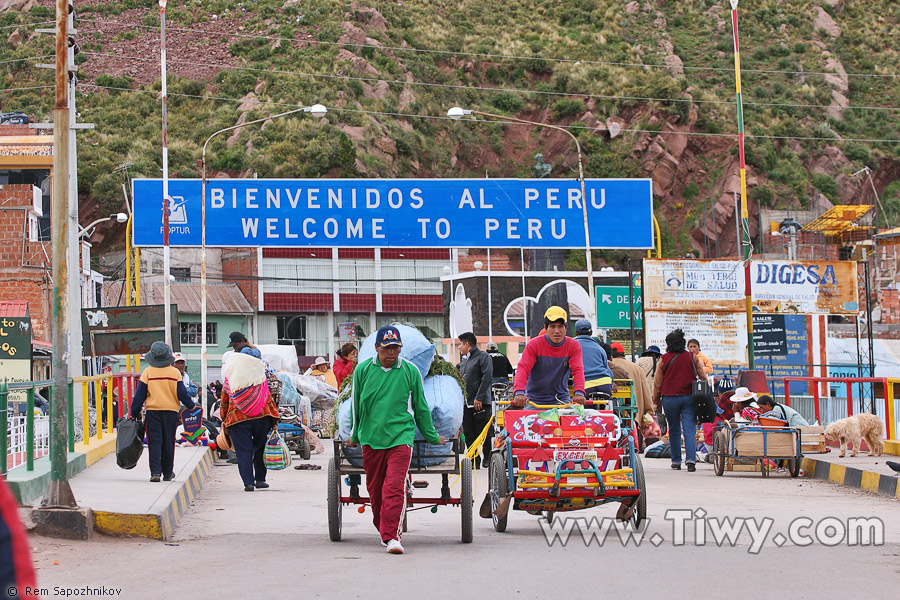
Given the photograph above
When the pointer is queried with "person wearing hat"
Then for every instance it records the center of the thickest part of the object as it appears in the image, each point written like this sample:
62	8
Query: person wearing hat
322	371
597	376
502	368
387	405
648	362
161	389
239	342
744	405
622	368
181	364
678	369
542	375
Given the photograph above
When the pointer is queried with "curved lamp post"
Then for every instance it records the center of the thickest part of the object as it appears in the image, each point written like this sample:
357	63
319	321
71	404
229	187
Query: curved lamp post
457	113
119	217
316	110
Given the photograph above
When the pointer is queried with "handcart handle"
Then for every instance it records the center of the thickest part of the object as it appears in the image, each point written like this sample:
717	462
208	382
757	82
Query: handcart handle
548	406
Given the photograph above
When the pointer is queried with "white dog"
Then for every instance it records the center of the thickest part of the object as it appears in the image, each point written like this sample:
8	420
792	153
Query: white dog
852	430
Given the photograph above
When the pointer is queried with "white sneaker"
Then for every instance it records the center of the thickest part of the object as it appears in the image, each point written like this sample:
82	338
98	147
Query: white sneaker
394	547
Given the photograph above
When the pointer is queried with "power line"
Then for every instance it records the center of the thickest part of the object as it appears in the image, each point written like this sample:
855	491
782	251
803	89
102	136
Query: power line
14	60
419	83
26	25
22	89
445	118
574	61
485	89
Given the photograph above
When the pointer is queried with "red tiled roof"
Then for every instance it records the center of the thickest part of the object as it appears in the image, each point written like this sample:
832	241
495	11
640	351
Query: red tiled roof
15	308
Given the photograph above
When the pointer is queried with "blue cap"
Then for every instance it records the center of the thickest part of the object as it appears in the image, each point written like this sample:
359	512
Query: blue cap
652	350
583	325
387	336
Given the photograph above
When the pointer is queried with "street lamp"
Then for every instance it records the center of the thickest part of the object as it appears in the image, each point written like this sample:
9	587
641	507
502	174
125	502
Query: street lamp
316	110
119	217
456	113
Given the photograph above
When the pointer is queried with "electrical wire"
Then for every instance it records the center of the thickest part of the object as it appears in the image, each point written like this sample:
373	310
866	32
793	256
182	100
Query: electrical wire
13	60
445	118
22	89
574	61
418	83
484	89
27	25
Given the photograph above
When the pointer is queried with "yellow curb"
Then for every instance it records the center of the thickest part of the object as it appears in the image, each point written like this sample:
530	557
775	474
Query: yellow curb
837	473
808	465
157	525
148	526
870	481
97	449
892	447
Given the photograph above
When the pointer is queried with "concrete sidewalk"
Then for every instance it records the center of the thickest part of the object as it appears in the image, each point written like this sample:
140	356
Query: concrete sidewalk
127	503
27	486
862	471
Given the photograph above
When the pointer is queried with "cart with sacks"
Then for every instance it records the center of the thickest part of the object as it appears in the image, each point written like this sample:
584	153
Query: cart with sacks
560	458
427	459
444	396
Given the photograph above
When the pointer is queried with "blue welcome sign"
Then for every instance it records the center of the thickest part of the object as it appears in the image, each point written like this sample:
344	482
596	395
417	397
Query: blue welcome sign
439	213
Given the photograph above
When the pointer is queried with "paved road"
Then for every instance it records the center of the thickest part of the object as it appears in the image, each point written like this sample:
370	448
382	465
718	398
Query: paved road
236	544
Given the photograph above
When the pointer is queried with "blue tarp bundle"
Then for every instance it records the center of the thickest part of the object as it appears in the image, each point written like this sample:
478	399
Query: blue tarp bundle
445	400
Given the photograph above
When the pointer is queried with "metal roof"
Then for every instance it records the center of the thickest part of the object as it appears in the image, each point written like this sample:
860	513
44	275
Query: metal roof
14	308
891	237
839	219
221	298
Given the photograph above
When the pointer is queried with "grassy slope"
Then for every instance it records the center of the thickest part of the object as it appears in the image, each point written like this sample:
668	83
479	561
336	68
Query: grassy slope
776	35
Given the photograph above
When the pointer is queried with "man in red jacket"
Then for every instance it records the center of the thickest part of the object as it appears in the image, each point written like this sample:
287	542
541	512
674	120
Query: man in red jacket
16	570
542	375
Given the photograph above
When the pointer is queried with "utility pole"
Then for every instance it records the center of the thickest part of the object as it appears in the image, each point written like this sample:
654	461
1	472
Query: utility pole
76	294
59	493
167	286
73	241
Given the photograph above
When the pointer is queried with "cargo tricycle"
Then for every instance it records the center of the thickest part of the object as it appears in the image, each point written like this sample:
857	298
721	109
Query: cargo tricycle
558	458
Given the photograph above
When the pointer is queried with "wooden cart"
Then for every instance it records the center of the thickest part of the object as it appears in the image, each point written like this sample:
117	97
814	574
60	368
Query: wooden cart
740	446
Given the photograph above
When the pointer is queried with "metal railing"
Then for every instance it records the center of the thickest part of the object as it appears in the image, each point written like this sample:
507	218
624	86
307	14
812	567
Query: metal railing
24	434
887	413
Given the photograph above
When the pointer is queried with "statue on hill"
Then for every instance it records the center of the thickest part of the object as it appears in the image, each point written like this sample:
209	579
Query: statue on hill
540	168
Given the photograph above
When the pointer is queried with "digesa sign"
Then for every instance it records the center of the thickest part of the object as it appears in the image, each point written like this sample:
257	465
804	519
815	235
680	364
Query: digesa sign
542	213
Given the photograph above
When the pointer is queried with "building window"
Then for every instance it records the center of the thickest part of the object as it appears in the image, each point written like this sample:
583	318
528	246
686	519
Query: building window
292	332
181	273
190	334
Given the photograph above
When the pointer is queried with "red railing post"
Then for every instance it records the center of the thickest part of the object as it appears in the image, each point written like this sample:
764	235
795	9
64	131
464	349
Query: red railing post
849	398
815	389
787	392
119	389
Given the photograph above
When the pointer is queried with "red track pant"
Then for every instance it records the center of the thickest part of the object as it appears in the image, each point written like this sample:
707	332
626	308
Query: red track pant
386	481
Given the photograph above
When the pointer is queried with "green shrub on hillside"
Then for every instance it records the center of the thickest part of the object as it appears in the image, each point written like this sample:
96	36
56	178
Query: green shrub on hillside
567	107
507	102
825	184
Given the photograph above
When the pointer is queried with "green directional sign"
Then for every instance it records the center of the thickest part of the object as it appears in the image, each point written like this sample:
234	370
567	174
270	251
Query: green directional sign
612	307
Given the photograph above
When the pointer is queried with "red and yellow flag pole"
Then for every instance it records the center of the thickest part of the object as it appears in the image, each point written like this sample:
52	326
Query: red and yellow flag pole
746	246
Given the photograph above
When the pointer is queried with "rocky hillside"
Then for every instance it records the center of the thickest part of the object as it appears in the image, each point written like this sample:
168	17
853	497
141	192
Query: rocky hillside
647	86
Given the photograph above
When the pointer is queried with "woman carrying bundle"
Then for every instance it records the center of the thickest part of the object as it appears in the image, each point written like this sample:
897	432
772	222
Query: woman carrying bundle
248	415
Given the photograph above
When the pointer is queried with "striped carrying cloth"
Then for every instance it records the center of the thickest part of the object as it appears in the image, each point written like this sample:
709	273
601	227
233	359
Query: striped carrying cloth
250	400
